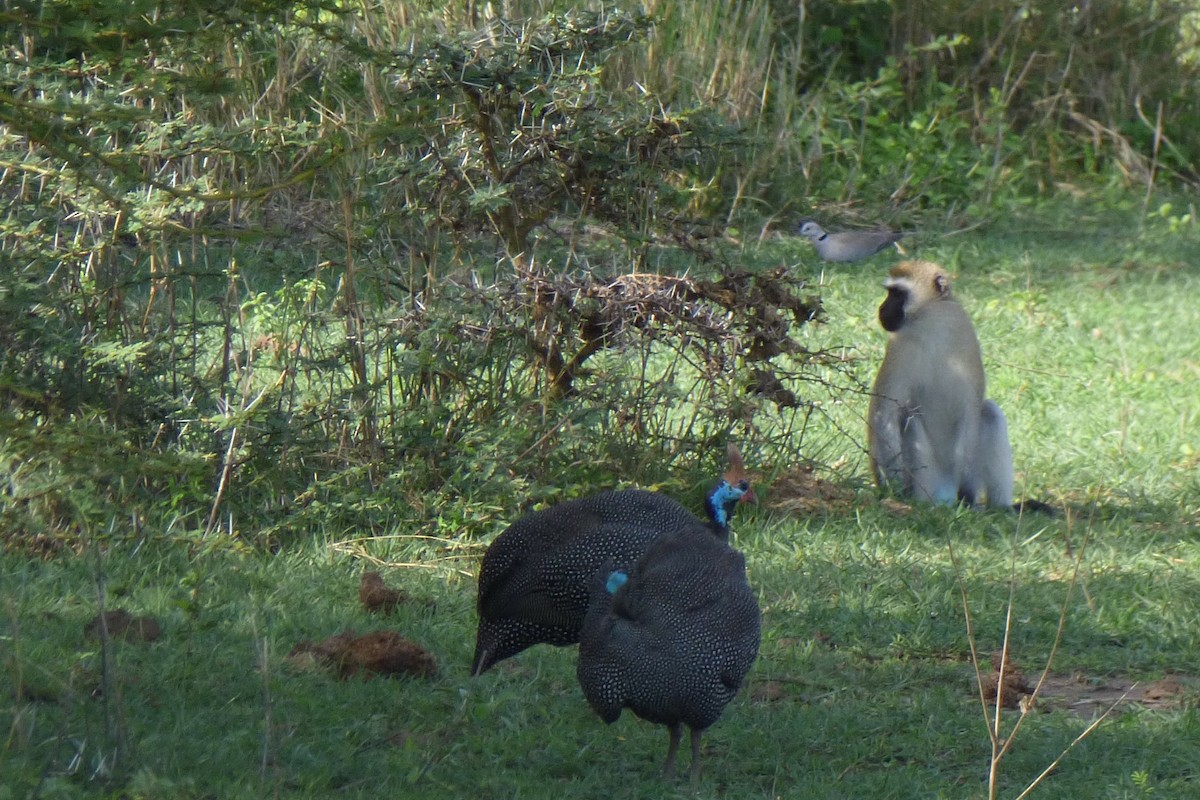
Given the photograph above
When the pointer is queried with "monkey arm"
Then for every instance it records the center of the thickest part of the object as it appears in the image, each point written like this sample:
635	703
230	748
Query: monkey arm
885	422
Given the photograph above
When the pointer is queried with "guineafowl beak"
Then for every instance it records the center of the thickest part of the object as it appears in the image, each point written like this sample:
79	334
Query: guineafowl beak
487	641
481	663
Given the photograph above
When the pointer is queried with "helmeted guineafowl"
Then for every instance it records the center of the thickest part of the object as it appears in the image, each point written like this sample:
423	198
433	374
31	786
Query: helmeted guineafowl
535	577
672	638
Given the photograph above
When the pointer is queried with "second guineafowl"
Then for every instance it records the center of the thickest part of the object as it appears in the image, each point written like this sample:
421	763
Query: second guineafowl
535	577
672	638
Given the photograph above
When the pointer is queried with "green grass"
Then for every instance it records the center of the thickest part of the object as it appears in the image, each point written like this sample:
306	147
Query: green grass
863	688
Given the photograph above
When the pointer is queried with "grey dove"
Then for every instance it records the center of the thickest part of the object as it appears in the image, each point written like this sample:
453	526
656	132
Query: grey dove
847	245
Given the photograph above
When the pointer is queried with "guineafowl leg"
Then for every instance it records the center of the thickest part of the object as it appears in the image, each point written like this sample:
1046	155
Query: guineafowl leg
695	756
676	731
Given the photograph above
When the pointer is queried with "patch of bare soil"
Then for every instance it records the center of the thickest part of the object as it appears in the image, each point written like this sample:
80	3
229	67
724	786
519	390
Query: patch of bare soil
1084	695
800	491
1089	697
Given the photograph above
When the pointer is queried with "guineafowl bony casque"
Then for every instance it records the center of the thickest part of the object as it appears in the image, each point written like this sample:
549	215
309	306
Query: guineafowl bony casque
672	638
535	577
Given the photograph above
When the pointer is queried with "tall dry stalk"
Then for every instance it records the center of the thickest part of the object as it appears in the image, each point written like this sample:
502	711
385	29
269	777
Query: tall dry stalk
1001	744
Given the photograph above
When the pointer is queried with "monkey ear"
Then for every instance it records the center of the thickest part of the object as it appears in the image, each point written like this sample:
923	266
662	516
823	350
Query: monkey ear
942	284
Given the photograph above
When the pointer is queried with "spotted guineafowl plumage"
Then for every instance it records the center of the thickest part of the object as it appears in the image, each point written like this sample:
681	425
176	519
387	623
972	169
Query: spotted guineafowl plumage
672	638
535	577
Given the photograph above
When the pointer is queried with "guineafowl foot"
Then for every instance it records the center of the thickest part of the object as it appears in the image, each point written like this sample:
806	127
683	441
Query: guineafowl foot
676	732
695	757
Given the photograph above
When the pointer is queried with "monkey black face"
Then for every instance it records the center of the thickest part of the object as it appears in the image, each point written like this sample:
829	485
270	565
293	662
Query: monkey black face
891	310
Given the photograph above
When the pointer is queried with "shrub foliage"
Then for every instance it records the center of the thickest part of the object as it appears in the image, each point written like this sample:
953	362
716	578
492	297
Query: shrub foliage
268	259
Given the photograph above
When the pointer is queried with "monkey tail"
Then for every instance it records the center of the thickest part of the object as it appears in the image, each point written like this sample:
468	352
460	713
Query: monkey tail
1035	506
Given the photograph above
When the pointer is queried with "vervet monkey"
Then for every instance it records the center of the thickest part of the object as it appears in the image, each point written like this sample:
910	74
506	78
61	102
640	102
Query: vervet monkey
930	429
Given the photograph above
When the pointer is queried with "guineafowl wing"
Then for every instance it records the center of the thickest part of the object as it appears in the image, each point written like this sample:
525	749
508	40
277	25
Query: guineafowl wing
517	555
550	586
540	608
535	577
572	529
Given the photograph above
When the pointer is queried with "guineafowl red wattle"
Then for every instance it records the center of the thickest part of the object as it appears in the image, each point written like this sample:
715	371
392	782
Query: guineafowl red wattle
672	638
535	577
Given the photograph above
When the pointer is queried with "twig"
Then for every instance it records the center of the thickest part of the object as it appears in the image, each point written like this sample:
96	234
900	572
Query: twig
1000	746
542	439
962	590
264	667
16	671
1087	731
1062	621
1158	137
110	691
227	466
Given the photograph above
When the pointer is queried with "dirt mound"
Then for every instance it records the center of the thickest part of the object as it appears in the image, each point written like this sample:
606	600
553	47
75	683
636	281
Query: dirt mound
376	653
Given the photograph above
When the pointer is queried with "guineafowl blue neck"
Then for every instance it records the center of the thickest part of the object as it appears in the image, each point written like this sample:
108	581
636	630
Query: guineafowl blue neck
615	581
721	502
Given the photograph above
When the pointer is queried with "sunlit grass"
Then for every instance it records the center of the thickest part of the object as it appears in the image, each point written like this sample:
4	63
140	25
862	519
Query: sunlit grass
864	686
